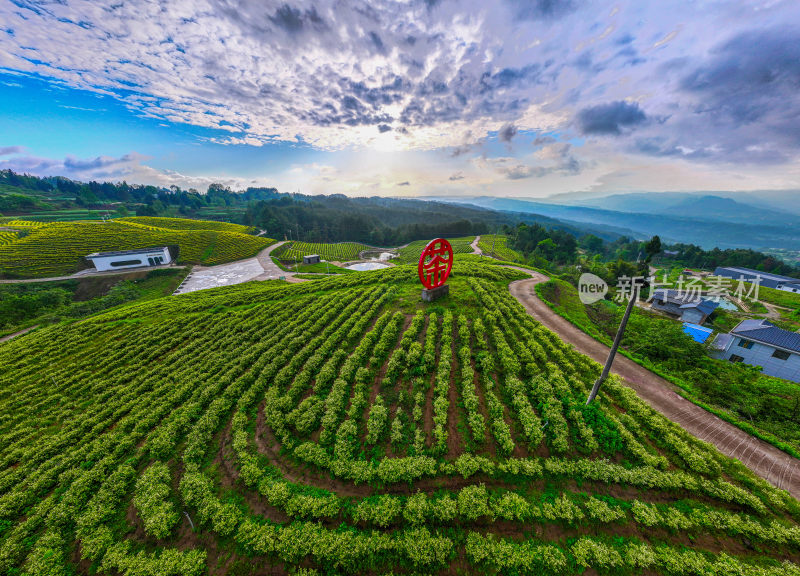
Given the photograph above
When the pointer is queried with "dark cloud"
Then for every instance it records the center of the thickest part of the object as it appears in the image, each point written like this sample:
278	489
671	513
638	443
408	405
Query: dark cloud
507	133
377	42
456	176
610	118
752	78
543	140
294	19
383	128
8	150
98	163
406	183
541	9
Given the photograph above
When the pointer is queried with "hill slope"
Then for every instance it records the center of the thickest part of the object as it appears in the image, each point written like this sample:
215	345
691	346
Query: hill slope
343	425
59	248
699	228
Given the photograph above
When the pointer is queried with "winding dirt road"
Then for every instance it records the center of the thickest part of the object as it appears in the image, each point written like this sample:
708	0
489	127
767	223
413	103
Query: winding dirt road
474	246
772	464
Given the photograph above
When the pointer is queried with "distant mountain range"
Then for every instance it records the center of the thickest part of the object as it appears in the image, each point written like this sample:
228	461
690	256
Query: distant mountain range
691	206
706	220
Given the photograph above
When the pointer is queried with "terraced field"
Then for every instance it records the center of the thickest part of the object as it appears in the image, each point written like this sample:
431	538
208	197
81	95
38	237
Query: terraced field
7	237
410	254
155	222
59	248
339	252
496	246
344	427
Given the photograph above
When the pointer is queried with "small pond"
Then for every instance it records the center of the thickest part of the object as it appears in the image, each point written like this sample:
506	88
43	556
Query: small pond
364	266
726	304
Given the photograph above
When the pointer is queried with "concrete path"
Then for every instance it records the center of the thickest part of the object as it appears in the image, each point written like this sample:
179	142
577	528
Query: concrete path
261	267
89	273
772	464
474	246
15	334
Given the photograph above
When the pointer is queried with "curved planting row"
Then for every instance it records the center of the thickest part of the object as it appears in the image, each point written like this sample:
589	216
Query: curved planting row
343	426
60	248
410	253
339	252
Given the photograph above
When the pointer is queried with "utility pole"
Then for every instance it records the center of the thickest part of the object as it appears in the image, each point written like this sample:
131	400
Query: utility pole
617	340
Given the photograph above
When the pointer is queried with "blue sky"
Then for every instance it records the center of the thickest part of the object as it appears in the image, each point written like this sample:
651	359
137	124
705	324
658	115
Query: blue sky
432	97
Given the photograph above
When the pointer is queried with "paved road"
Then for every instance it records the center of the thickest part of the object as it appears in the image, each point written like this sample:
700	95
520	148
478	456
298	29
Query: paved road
772	464
90	273
271	270
261	267
474	245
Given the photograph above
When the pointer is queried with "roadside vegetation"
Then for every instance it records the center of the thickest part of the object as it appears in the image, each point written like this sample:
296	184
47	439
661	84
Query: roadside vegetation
41	303
739	393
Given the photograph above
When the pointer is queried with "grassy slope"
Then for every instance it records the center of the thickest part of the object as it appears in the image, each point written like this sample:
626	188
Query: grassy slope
186	224
410	254
496	245
337	252
84	296
59	248
320	268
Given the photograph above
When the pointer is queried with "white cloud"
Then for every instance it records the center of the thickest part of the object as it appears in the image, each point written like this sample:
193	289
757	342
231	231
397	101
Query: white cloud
130	167
333	73
373	78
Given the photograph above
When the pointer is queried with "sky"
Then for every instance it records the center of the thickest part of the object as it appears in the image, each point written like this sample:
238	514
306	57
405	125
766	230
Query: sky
405	98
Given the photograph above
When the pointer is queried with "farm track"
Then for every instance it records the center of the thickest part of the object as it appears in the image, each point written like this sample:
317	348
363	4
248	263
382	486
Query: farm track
15	334
474	246
87	274
765	460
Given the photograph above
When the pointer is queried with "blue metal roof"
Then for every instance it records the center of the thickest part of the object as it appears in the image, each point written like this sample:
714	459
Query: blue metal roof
767	333
697	332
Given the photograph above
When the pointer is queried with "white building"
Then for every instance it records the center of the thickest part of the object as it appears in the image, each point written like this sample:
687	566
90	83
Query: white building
760	343
121	259
790	286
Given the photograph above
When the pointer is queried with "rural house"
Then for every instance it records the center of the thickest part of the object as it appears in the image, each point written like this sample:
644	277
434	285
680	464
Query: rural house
688	307
760	343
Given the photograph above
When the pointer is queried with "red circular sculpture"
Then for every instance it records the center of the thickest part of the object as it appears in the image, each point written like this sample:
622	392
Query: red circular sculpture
435	263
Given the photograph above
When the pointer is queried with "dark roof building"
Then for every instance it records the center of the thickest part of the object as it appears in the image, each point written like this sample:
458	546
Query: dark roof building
749	275
761	343
767	333
688	307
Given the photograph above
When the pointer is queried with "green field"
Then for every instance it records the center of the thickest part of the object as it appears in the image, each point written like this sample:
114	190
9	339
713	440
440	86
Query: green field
355	430
320	268
410	253
156	223
67	215
496	246
7	237
339	252
27	304
59	248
